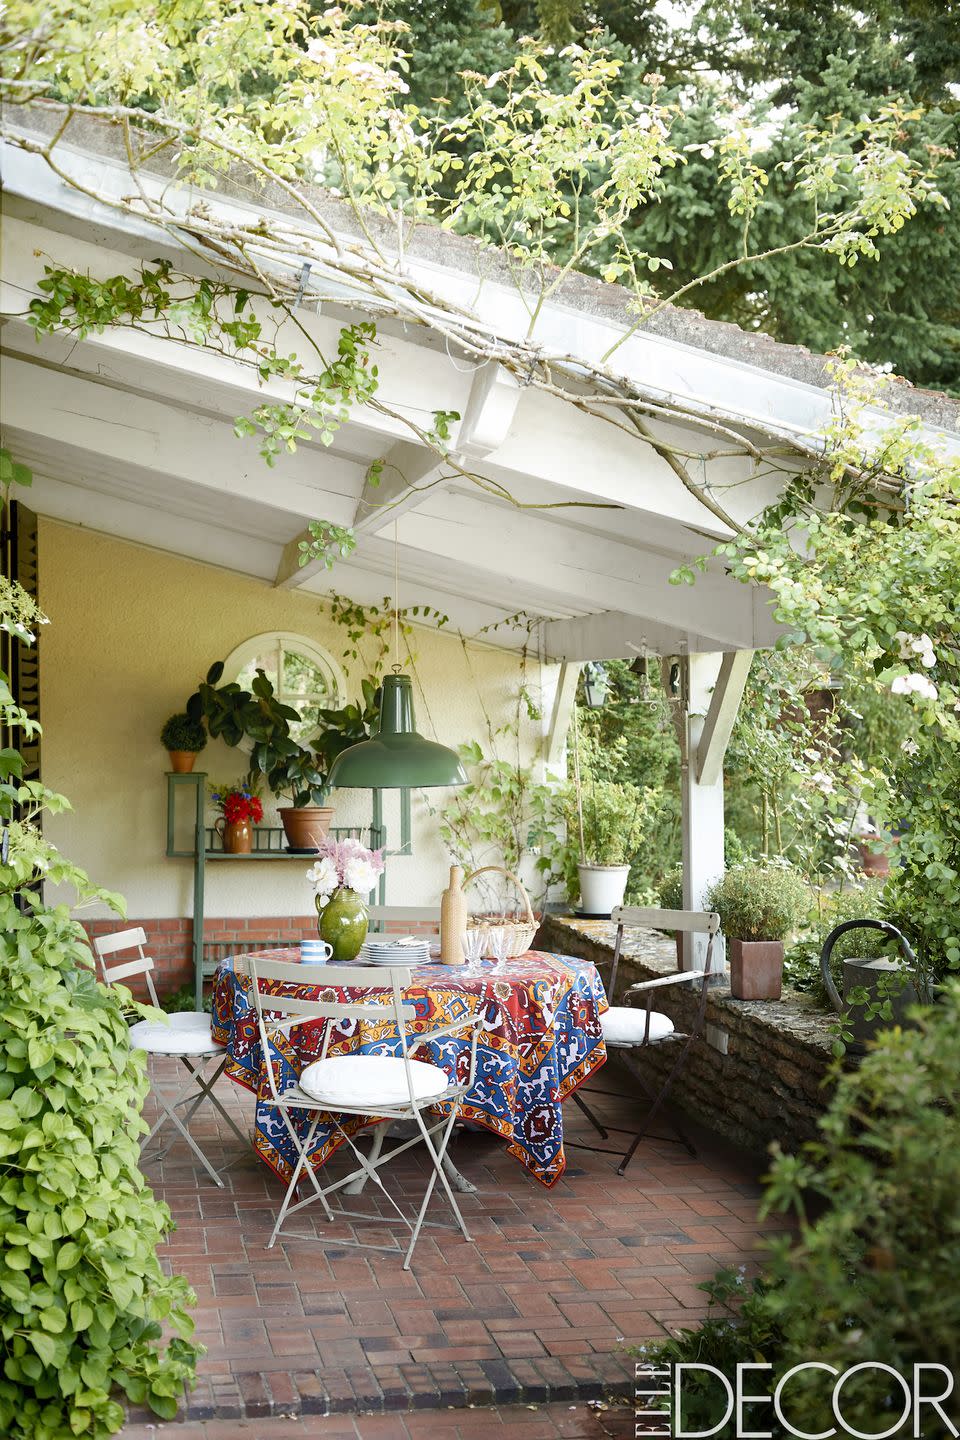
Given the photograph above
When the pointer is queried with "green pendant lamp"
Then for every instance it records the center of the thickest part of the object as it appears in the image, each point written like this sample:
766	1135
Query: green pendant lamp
397	757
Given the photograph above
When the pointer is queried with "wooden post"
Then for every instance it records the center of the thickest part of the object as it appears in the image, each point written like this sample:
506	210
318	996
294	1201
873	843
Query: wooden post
702	802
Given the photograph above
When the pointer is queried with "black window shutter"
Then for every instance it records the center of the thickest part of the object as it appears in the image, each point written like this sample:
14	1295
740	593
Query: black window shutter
21	663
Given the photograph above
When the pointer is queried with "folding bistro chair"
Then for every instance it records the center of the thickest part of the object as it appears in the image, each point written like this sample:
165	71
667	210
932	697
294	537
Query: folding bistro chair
635	1028
388	1087
186	1035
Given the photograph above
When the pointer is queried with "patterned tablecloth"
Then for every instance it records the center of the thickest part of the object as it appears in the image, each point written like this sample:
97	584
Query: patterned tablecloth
540	1039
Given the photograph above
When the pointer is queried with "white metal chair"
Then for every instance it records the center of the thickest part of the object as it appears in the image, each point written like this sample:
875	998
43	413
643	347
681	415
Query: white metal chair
185	1035
389	1087
634	1028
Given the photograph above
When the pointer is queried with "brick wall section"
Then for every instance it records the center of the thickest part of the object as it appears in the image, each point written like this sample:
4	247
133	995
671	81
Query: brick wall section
170	942
769	1086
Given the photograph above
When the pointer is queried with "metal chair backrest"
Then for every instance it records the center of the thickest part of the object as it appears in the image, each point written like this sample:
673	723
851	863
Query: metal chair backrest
268	1004
133	939
691	922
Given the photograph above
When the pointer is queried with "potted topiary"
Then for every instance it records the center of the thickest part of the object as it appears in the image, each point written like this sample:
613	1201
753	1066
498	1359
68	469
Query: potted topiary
759	903
184	739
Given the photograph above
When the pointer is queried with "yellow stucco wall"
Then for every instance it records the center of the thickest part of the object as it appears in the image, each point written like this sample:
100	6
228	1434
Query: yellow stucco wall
132	631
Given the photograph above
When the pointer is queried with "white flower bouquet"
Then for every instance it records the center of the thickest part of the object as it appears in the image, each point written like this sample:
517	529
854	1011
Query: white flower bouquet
344	864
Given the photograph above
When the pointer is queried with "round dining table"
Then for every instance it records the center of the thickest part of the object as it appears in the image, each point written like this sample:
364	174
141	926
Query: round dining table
540	1039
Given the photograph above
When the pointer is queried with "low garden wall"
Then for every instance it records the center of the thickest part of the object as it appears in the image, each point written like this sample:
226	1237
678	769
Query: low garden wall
757	1076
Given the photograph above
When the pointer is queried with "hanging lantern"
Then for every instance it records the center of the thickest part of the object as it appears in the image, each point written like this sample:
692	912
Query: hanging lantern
397	757
596	685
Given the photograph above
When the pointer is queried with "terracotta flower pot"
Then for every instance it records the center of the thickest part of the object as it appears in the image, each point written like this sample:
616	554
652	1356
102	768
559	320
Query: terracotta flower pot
237	836
182	761
305	825
756	969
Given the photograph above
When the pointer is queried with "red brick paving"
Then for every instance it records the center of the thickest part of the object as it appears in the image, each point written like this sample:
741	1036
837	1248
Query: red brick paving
541	1308
508	1422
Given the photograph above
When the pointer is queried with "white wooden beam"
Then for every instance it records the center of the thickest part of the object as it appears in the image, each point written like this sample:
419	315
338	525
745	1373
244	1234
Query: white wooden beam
408	473
613	634
594	571
722	714
490	412
561	712
107	425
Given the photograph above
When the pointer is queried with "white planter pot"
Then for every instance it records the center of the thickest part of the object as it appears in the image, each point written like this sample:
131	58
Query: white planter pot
602	887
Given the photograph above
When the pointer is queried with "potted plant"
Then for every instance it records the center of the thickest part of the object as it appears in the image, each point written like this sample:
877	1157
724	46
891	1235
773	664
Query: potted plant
184	739
342	878
759	903
608	818
239	811
300	777
301	773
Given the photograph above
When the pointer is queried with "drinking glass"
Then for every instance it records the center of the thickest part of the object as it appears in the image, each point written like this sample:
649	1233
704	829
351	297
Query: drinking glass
498	943
473	944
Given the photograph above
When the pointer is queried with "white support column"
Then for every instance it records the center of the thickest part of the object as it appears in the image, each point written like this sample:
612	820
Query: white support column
702	804
561	711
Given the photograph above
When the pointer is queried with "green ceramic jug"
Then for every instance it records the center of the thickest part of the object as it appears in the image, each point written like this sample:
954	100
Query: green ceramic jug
343	923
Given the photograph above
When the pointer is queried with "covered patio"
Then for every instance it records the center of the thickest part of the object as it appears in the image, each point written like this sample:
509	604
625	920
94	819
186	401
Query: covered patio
546	537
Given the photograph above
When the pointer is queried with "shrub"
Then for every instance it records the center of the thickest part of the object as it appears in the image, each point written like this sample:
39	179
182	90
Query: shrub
871	1275
670	896
758	901
182	733
83	1299
82	1294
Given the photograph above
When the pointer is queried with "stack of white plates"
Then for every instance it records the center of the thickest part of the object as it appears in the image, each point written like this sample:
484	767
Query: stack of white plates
402	950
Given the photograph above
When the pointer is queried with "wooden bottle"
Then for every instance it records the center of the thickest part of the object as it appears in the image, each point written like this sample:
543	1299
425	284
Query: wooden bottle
453	919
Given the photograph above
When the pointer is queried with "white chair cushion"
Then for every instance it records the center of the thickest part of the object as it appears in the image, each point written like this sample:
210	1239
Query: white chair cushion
190	1020
627	1025
368	1081
158	1038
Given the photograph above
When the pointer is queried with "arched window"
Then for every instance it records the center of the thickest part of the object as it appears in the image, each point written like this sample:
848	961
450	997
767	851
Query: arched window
301	672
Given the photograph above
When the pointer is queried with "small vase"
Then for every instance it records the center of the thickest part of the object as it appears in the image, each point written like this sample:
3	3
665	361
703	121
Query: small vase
237	836
343	922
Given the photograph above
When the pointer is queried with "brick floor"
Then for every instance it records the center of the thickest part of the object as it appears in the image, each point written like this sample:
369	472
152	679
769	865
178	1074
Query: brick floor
508	1422
541	1307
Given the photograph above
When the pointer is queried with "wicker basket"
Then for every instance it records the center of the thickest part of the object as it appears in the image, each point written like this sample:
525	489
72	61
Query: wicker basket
519	932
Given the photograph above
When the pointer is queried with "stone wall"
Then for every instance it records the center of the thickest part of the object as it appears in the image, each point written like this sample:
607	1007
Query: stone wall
756	1077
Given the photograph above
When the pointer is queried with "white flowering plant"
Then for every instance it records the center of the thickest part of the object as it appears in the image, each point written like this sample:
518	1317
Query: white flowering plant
344	864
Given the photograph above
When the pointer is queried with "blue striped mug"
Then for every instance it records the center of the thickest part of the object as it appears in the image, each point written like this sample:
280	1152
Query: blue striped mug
315	952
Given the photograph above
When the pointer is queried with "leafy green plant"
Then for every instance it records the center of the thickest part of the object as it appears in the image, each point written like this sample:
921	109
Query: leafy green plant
855	902
869	1277
758	901
501	815
670	896
83	1297
182	733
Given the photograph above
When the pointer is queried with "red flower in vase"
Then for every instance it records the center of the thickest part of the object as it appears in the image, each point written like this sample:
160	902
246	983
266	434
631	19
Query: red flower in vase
239	807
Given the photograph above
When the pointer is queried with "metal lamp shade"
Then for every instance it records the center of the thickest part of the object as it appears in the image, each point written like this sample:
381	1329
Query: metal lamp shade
396	758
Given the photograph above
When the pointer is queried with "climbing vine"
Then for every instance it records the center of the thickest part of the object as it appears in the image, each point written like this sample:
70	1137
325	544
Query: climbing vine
285	97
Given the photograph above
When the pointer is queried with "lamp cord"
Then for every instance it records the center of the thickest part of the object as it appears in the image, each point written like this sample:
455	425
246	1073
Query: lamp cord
396	600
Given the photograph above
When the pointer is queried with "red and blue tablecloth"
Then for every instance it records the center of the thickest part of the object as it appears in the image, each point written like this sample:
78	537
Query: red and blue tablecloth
540	1039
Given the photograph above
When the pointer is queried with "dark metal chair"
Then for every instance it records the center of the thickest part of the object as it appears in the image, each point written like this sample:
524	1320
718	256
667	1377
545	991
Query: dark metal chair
635	1028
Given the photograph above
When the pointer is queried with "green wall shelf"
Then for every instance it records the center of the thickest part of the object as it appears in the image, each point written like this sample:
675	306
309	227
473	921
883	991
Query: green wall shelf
269	844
